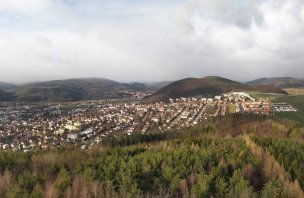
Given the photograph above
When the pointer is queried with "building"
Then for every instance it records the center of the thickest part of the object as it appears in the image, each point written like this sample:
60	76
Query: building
73	136
60	131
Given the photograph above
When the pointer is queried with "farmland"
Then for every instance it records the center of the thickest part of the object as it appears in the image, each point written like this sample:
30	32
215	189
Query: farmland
265	95
295	91
296	101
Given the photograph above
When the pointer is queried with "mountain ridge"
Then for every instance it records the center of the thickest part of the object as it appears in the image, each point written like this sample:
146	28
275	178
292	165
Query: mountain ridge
76	89
278	82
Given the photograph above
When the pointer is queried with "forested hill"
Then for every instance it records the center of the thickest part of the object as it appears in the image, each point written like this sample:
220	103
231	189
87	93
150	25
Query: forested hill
99	88
208	87
268	89
74	89
7	86
70	90
6	96
278	82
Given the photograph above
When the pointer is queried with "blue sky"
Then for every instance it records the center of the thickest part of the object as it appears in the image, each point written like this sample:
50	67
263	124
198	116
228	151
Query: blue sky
150	40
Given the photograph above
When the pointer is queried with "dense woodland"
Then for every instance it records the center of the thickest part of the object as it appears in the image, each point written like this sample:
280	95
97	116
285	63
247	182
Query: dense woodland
290	154
214	159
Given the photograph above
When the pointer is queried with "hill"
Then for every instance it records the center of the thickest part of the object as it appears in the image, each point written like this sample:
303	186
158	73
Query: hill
99	88
6	96
137	86
208	86
7	86
59	94
76	89
155	86
268	89
279	82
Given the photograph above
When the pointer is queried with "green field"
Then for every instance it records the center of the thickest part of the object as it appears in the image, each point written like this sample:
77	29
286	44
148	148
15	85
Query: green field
298	102
297	116
295	100
265	95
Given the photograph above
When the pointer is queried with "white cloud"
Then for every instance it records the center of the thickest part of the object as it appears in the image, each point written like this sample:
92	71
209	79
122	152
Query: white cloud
272	38
35	8
25	7
151	41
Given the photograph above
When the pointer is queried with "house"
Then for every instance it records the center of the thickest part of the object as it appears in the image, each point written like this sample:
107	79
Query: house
5	146
87	132
73	136
71	127
218	97
60	131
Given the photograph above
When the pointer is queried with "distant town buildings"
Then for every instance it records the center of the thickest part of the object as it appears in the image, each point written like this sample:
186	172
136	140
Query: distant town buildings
40	126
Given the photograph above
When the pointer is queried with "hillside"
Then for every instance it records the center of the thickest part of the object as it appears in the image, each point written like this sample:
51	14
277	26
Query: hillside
279	82
76	89
59	94
208	86
155	86
6	96
268	89
99	88
7	86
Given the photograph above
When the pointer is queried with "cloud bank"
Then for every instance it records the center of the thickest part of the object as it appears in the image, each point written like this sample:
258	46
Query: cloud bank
150	40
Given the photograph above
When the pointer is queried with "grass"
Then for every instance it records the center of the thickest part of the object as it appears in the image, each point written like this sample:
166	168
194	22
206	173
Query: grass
296	116
298	102
265	95
295	100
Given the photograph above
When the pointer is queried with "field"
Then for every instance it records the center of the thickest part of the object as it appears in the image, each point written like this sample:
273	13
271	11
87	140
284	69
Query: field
295	100
265	95
295	91
297	116
298	102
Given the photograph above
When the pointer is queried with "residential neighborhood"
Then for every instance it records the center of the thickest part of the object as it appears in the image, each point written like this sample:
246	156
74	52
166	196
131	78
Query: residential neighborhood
83	124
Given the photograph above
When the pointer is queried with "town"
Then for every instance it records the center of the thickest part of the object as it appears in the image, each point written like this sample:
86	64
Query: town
84	124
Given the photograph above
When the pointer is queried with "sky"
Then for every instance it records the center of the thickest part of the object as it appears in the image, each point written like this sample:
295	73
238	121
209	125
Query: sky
150	40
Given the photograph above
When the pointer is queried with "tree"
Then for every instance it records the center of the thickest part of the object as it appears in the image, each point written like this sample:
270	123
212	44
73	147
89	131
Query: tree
239	187
5	182
221	187
63	181
273	189
201	188
37	192
16	192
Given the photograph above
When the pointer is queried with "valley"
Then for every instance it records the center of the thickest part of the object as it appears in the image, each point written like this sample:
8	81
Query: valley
204	143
